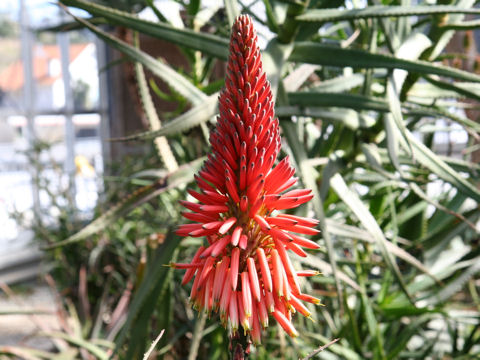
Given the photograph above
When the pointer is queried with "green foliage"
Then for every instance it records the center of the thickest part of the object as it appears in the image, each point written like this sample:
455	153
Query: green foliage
360	94
8	28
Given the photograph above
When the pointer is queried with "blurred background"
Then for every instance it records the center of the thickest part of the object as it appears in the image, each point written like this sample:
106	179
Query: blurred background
50	97
405	145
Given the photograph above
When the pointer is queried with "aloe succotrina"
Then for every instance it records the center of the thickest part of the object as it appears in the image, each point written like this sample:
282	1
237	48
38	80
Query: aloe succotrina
359	95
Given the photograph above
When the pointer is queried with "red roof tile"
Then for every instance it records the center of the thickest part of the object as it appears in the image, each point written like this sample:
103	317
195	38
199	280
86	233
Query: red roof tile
11	79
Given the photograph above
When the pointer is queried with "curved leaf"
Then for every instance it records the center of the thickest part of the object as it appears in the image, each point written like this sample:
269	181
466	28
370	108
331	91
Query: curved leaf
163	71
435	164
195	116
464	90
365	217
163	148
231	7
307	173
455	285
352	101
326	268
368	12
464	25
81	343
356	233
151	288
183	175
328	55
207	43
340	83
350	118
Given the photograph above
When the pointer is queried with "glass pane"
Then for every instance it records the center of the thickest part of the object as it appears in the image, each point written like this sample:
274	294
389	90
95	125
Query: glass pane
48	156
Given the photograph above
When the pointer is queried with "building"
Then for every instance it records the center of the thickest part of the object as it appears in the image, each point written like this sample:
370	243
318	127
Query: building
49	88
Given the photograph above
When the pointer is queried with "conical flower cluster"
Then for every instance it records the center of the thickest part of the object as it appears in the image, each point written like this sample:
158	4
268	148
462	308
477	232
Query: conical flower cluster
244	272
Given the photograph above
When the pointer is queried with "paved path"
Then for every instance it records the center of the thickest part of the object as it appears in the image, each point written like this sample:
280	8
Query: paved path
22	330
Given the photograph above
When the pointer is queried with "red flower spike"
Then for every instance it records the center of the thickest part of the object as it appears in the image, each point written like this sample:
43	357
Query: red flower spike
244	272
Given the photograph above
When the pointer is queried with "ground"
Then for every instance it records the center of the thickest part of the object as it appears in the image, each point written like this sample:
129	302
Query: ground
22	330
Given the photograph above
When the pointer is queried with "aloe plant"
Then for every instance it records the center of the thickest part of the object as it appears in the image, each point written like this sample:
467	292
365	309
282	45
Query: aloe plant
360	94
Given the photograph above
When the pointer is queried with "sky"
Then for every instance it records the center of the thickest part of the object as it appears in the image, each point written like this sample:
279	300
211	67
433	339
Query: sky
42	12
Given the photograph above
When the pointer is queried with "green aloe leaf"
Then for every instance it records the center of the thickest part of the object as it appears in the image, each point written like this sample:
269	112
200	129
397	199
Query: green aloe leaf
400	343
428	91
326	269
394	137
28	353
195	116
296	78
464	90
149	297
183	175
352	101
434	163
436	112
372	324
146	356
151	288
463	25
339	84
324	15
461	165
231	7
350	118
442	37
81	343
163	71
410	50
26	312
344	352
365	217
207	43
454	286
352	232
307	173
274	59
329	55
458	164
163	148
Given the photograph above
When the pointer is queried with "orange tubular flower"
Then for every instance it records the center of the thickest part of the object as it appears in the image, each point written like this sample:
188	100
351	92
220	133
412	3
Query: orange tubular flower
245	271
